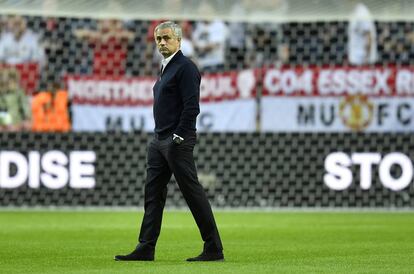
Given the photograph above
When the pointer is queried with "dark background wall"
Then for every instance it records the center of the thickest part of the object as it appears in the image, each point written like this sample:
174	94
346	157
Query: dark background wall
237	170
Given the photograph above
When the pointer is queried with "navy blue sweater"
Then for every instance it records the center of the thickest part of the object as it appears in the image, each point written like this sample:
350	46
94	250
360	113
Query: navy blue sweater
176	98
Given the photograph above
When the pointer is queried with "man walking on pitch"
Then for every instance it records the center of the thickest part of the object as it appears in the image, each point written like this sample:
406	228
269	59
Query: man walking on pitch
176	106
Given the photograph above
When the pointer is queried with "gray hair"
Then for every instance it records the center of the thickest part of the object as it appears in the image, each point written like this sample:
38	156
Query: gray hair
170	25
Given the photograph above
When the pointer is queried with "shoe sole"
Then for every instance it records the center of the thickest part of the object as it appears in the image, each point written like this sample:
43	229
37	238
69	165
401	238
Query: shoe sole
145	260
219	260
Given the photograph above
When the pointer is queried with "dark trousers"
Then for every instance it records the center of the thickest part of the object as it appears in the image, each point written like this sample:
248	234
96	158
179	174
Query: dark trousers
164	159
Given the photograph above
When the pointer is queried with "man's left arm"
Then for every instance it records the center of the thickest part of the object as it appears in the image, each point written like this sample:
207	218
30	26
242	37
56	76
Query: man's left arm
189	88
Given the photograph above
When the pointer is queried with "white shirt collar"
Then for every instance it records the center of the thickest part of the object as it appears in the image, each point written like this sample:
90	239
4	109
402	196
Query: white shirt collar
165	61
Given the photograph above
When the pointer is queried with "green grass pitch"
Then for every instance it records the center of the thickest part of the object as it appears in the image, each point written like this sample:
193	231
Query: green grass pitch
255	242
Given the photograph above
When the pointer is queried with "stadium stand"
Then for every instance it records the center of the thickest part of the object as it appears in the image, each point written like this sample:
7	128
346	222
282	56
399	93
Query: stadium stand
256	168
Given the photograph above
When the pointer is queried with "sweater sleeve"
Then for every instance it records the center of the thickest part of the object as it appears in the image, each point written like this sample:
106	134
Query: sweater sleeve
189	80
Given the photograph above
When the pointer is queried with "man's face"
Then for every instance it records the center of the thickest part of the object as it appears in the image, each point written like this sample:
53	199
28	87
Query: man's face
17	25
166	42
107	25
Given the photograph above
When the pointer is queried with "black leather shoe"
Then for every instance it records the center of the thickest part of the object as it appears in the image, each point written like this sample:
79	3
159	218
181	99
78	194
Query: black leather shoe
207	257
135	256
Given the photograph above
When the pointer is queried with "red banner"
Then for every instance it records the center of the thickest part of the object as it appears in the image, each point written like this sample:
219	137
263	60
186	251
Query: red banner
130	91
339	81
288	81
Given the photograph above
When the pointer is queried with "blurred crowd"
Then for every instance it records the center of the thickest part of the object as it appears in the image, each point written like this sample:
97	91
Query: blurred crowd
114	48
